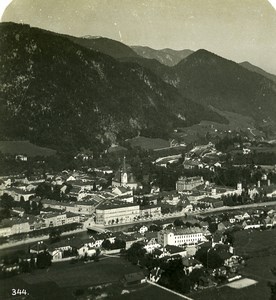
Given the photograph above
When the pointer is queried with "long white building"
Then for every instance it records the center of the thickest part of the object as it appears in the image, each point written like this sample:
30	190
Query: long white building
178	237
117	213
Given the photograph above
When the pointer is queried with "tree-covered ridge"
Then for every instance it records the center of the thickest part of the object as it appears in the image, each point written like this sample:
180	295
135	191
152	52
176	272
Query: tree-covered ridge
211	80
54	92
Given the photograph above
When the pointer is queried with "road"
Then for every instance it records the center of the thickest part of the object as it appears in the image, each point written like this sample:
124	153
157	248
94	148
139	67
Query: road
25	243
227	208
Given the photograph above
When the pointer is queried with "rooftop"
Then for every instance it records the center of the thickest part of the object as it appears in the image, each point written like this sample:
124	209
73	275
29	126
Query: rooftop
115	204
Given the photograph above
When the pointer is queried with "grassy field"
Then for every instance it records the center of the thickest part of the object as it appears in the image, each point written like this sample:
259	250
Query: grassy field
258	269
65	278
24	147
149	143
257	245
254	292
254	243
149	292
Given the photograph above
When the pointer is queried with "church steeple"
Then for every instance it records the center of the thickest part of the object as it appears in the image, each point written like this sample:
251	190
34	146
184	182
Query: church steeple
124	173
124	165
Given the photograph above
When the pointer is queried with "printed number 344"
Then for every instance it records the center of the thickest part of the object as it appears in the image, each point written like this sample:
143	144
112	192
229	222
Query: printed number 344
19	292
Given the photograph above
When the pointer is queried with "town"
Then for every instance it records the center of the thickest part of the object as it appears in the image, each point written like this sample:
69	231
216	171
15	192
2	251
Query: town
191	213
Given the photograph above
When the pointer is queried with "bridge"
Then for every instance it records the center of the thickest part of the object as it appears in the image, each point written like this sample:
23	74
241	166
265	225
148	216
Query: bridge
97	228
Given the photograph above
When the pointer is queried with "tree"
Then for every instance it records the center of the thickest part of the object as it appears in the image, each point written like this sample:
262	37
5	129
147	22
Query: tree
209	258
196	274
174	277
34	207
178	223
135	253
106	244
7	201
44	260
54	235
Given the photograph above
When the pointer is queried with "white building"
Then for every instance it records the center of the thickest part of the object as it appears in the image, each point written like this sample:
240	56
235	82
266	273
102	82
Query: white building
177	237
116	213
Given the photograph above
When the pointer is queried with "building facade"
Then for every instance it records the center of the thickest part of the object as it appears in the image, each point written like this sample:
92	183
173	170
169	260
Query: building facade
110	214
188	183
189	236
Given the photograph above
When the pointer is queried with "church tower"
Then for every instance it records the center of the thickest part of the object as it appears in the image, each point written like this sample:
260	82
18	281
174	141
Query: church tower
124	173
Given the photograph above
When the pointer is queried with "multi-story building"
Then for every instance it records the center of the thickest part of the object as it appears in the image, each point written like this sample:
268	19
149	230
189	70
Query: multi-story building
52	220
177	237
14	226
116	212
188	183
150	211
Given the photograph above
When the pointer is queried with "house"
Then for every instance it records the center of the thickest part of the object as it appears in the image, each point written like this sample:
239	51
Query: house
223	251
134	278
188	183
233	262
122	191
190	263
222	226
57	250
21	157
150	211
39	247
270	221
105	170
14	226
251	224
131	239
211	202
171	250
217	165
151	245
143	229
246	216
18	211
86	250
19	194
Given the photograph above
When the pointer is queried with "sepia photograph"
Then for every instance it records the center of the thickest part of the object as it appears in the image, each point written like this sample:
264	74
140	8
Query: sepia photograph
138	149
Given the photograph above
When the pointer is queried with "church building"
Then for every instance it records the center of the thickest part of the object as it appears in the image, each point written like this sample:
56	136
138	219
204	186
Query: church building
125	178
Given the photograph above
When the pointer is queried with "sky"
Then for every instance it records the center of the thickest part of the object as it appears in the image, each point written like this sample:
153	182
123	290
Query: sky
240	30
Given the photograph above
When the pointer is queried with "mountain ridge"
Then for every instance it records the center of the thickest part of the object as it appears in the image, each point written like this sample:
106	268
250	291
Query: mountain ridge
59	94
166	56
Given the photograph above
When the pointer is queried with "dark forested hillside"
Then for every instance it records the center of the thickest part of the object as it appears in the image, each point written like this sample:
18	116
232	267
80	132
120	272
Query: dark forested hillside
107	46
224	84
59	94
214	81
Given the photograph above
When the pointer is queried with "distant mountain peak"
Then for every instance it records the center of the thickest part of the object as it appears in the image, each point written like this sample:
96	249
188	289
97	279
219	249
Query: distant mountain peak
167	56
91	37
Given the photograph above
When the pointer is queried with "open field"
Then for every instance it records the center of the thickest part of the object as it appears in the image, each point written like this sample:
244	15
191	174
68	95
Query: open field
260	268
80	274
24	147
39	291
242	283
236	121
64	278
149	292
259	291
149	143
257	269
255	243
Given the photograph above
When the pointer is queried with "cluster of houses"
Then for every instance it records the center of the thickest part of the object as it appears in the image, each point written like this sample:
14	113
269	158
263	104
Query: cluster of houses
86	197
254	219
30	223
